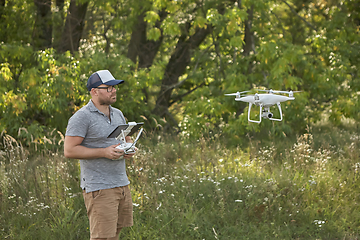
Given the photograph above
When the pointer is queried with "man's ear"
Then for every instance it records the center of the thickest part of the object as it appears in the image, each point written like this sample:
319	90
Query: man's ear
93	92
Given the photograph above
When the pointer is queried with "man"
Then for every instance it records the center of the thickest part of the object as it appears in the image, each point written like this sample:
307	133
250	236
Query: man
103	172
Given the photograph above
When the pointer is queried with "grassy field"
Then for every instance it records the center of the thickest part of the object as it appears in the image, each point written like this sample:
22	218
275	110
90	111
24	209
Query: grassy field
303	188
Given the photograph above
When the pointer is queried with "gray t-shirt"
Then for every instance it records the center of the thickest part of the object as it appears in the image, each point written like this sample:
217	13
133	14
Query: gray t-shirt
94	126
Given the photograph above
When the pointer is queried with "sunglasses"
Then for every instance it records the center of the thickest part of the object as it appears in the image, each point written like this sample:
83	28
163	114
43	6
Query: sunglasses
109	88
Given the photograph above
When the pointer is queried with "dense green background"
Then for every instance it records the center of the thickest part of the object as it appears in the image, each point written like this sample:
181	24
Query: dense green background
178	58
216	176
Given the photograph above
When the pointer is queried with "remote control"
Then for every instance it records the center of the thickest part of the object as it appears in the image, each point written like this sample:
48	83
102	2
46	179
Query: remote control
127	147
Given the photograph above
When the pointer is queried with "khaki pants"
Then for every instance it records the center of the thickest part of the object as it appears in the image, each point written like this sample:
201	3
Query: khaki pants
108	210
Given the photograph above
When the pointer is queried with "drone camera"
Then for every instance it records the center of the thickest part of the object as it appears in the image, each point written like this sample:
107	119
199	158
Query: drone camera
267	115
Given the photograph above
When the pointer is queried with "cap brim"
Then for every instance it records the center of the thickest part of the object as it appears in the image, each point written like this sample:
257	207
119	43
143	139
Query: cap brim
114	82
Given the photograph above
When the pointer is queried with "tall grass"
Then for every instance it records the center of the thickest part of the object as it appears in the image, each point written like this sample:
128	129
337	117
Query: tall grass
39	193
302	189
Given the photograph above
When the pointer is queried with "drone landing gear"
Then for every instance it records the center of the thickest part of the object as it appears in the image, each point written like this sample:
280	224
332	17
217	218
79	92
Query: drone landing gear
265	113
277	119
254	121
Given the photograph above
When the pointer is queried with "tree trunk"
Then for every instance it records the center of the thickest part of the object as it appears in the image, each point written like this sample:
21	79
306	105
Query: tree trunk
140	49
138	38
60	4
175	68
249	34
74	26
42	37
143	50
2	5
58	23
2	22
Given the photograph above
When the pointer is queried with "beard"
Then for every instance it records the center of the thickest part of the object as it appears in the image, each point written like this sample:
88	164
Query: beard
108	101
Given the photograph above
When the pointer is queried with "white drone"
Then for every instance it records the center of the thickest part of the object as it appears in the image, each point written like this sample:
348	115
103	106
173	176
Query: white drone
264	101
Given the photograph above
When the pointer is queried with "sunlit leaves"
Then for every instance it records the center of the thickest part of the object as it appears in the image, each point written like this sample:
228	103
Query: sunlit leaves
235	17
41	95
154	34
249	44
199	22
171	27
236	41
16	102
268	51
5	73
151	17
232	27
158	4
213	16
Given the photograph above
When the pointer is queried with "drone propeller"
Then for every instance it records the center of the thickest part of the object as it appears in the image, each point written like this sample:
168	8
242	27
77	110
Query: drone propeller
277	91
291	93
287	92
236	94
266	90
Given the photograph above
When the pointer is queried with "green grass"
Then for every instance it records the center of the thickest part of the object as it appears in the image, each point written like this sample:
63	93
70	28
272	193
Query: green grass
307	188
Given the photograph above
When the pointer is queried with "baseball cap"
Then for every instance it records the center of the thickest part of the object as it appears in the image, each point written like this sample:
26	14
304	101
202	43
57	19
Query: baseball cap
101	77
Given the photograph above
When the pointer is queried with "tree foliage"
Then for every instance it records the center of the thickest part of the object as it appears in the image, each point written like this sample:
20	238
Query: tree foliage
178	58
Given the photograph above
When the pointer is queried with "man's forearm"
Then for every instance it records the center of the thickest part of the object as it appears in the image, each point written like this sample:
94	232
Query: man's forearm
81	152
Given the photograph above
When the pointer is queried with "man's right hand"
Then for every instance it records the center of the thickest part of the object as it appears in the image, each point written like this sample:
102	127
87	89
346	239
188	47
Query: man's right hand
113	153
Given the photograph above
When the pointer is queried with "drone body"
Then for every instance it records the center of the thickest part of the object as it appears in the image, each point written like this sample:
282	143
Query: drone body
264	101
